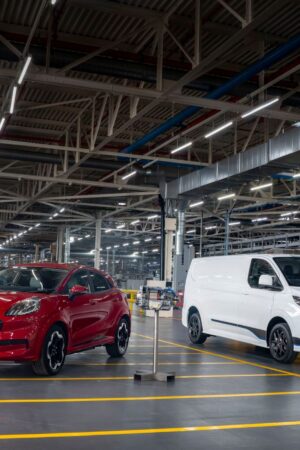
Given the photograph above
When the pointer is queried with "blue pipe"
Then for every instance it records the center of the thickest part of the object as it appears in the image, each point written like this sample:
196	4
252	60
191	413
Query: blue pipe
263	63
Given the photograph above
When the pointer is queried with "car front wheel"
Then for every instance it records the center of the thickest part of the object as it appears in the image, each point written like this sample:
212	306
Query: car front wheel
281	343
119	347
195	329
53	353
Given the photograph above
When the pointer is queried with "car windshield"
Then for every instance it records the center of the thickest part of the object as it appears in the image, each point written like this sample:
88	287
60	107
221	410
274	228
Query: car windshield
290	267
31	279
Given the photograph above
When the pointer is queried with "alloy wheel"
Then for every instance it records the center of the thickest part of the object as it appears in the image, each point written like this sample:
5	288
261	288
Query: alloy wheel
56	350
123	337
279	342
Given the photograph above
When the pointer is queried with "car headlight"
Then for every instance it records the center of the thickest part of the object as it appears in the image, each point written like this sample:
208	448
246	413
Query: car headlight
297	299
23	307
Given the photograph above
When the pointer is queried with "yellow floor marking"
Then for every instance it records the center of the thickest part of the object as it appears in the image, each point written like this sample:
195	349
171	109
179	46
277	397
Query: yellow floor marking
162	353
150	363
229	358
217	427
233	375
148	398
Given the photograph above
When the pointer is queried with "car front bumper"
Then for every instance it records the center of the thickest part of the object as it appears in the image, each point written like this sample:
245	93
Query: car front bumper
19	339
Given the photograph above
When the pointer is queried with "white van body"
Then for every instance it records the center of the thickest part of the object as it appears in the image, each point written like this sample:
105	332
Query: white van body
220	289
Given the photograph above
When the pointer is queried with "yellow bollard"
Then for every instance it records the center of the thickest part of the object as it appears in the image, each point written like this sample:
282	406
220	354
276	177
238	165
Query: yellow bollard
131	296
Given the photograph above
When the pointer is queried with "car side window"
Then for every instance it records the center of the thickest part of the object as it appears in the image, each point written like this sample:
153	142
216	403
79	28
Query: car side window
81	277
100	283
260	267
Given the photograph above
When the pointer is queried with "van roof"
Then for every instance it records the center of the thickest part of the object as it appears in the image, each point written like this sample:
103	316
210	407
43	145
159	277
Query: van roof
255	255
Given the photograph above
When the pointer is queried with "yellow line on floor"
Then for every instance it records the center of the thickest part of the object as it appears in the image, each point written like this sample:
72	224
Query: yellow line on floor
162	353
149	398
229	358
238	375
150	363
216	427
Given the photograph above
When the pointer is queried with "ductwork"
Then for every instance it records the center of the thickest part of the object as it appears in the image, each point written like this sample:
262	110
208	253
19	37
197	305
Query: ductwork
268	60
258	156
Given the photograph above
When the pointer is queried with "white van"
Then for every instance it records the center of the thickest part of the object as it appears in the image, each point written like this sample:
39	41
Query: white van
250	298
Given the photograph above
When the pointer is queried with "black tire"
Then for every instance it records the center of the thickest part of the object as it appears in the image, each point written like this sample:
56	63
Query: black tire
119	347
195	329
53	353
281	344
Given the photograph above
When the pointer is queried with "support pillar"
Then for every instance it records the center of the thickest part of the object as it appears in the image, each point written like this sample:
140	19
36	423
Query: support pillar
67	245
170	228
201	236
226	243
37	253
59	244
179	245
162	237
98	242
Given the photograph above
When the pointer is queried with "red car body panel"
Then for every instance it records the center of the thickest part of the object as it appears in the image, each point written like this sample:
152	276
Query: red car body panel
89	320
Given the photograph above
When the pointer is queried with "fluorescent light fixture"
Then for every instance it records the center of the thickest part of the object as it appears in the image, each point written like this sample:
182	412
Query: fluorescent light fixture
2	122
121	203
217	130
126	244
53	2
55	215
211	227
193	205
80	239
61	210
148	240
37	225
116	246
13	99
24	70
224	197
158	237
191	231
135	222
188	144
296	124
29	229
288	213
259	219
121	226
108	230
261	186
130	174
136	242
152	217
108	248
259	107
155	250
297	175
232	224
72	239
144	252
87	236
50	218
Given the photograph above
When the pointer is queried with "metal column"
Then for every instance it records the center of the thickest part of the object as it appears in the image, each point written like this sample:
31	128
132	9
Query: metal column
37	253
59	244
226	243
162	240
97	258
170	227
67	245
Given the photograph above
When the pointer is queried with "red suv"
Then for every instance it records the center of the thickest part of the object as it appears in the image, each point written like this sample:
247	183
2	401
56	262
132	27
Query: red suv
50	310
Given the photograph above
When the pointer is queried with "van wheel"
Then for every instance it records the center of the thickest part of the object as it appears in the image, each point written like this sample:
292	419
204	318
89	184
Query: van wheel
195	329
53	353
281	343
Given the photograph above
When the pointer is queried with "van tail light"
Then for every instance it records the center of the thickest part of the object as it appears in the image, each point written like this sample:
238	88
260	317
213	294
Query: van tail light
297	299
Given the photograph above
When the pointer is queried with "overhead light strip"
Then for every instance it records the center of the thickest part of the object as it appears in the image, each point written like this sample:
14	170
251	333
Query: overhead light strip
224	197
13	100
24	70
261	186
260	107
130	174
217	130
182	147
193	205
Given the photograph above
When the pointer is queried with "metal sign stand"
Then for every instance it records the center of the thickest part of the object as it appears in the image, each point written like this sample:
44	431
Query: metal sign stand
143	375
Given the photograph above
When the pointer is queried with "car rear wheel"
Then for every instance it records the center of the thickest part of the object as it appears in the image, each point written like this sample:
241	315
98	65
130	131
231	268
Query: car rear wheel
195	329
53	353
281	343
119	347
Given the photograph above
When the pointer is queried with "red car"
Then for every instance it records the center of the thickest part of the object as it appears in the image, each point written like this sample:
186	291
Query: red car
50	310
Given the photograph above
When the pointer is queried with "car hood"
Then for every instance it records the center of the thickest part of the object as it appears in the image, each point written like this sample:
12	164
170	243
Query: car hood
8	298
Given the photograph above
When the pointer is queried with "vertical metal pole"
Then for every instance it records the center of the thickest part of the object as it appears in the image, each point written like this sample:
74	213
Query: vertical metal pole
155	339
67	245
226	243
162	240
160	55
113	261
97	258
107	261
197	44
59	244
36	253
201	235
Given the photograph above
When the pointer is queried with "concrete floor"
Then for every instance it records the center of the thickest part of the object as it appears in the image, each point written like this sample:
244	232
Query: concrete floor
221	383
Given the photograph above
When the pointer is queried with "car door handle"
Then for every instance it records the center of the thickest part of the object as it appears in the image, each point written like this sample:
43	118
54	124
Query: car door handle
93	302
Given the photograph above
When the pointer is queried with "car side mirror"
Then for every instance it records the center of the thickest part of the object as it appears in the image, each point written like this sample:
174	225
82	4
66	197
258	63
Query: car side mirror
266	281
76	290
